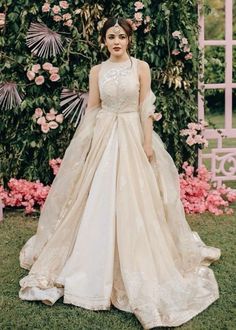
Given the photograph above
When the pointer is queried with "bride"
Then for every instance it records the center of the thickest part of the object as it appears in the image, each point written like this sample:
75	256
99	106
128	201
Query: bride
113	230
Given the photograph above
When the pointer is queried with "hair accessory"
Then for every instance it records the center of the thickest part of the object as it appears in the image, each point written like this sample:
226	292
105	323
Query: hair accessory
117	28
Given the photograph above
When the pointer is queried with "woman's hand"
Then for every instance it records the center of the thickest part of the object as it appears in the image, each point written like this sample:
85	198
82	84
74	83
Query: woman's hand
148	151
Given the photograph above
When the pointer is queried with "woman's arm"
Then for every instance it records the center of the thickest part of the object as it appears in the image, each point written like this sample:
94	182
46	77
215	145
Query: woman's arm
145	86
94	95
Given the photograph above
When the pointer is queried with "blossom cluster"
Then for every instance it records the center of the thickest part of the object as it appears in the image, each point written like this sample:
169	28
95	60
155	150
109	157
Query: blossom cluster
138	18
193	133
55	165
198	194
182	46
24	193
59	12
38	70
47	121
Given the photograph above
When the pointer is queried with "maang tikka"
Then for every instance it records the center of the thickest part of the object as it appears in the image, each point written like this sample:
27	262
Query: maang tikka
116	28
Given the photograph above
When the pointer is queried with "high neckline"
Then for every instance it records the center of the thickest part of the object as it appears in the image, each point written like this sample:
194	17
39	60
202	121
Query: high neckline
120	62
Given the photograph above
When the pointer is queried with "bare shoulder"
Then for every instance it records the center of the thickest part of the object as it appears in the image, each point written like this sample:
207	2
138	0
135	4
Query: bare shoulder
143	70
94	70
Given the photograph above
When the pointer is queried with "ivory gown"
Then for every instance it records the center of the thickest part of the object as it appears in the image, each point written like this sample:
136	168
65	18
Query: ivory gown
113	229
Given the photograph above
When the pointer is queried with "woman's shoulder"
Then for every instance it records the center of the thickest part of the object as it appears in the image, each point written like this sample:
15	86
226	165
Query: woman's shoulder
95	68
142	64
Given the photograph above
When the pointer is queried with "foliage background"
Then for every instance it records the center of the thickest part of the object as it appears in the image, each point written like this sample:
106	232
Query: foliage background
24	149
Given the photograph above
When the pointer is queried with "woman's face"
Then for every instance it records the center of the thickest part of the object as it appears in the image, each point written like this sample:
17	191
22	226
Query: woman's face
116	41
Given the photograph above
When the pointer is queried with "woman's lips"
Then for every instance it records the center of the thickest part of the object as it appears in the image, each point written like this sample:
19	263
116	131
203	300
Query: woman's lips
116	48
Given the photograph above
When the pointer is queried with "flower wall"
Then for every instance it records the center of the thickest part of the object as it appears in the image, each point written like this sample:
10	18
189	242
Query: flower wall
46	51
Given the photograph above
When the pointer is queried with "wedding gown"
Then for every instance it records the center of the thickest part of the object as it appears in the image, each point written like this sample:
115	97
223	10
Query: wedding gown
113	229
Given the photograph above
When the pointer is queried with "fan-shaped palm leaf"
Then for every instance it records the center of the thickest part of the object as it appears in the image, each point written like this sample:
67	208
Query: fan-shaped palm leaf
75	104
43	41
9	96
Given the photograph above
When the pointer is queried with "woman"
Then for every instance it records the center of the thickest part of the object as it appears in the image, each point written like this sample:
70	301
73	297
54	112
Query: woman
113	229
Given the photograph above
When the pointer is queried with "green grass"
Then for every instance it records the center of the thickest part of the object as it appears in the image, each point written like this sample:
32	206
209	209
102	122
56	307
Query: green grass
18	314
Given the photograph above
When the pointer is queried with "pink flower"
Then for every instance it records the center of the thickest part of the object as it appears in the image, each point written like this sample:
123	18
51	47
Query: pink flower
54	77
57	18
45	127
66	16
46	7
190	141
186	49
138	16
68	23
39	80
41	120
56	9
146	30
47	66
147	19
175	52
63	4
189	56
53	124
38	112
176	34
36	68
50	116
30	75
54	69
60	118
138	5
53	111
184	41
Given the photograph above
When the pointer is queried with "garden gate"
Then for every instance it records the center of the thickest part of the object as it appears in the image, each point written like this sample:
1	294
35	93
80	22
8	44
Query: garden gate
221	153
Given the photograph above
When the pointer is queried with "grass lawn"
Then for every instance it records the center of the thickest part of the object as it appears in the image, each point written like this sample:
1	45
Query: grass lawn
17	314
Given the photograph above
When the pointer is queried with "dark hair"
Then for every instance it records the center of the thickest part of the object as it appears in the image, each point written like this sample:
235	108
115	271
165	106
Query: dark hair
111	22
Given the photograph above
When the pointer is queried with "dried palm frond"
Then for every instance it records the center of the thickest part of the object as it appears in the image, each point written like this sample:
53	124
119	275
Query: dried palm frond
43	41
9	96
75	104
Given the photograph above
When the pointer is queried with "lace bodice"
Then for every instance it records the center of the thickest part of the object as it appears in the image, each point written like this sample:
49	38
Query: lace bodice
119	86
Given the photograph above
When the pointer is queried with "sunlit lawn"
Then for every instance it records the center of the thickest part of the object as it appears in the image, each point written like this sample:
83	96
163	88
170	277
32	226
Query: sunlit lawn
17	314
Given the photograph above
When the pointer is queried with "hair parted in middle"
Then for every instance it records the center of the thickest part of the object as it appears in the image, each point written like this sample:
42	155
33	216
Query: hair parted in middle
112	21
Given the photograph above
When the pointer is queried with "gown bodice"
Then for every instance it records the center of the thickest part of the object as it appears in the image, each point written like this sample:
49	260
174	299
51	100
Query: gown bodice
119	86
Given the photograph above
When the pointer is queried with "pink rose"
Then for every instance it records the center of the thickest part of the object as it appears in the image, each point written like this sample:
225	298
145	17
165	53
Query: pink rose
50	116
138	5
176	34
184	41
53	111
39	80
147	19
47	66
59	118
38	112
66	16
54	69
54	77
186	49
189	56
146	30
30	75
56	9
68	23
53	124
46	7
45	128
36	67
41	120
57	18
175	52
138	16
63	4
